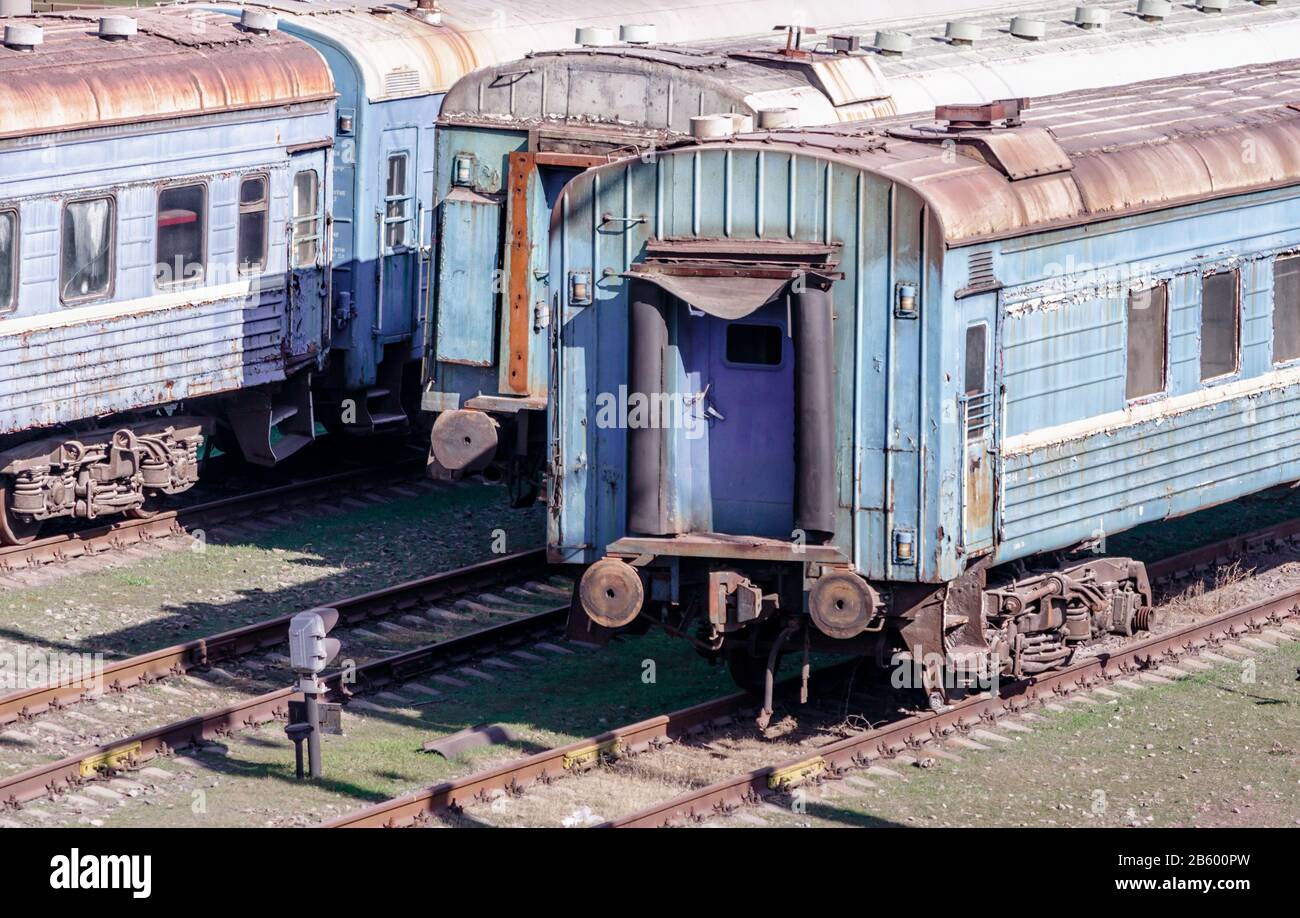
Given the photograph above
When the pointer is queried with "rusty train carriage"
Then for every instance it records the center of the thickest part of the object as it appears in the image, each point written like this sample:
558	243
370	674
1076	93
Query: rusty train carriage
1043	327
179	140
511	134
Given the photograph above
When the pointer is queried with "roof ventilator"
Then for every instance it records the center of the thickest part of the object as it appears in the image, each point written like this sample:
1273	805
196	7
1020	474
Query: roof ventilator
1154	10
1091	17
638	34
116	28
773	119
23	37
963	33
259	22
428	12
993	133
894	44
594	36
844	44
1211	6
15	8
1028	29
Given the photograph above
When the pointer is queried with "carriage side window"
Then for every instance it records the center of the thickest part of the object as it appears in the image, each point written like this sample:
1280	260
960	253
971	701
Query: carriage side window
8	259
754	345
306	218
1148	317
182	235
977	398
86	269
253	213
1220	324
1286	309
396	202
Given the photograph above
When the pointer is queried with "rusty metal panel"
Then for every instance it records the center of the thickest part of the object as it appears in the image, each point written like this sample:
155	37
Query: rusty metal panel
146	352
180	64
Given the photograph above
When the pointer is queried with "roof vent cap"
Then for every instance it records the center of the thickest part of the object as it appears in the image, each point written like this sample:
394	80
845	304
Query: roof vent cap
1091	17
116	28
772	119
23	37
594	36
638	34
1154	10
1211	6
708	127
15	7
894	43
261	22
844	44
1028	29
741	124
963	33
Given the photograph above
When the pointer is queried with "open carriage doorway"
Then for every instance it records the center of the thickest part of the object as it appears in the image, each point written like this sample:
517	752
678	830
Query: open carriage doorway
746	347
745	395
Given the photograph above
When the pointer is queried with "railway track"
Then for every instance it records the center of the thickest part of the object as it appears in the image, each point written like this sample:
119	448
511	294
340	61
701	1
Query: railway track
59	776
49	779
125	533
1277	616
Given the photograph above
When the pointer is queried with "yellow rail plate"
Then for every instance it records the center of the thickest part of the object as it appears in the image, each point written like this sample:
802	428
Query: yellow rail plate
794	774
113	758
590	755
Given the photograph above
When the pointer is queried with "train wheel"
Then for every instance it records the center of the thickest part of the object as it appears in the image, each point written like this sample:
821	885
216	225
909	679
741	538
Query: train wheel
13	531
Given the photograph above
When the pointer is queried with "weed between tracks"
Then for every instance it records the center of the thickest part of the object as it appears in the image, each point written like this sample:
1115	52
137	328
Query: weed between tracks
180	594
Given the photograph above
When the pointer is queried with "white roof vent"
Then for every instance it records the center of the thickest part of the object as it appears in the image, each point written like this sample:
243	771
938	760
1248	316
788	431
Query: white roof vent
1028	29
893	42
639	34
1211	6
261	22
116	28
1091	17
23	37
741	124
707	127
772	119
1154	10
594	36
963	33
15	7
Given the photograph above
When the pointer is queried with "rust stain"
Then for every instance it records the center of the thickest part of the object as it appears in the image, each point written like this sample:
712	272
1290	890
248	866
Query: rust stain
518	287
182	62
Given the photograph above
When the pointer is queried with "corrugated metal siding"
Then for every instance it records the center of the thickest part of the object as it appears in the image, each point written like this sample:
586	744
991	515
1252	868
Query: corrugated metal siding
117	357
1167	466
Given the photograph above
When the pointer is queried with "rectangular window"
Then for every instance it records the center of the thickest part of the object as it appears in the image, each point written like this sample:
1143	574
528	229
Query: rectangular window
86	269
1148	312
306	232
1220	324
253	212
182	235
755	345
976	347
8	260
396	201
978	401
1286	309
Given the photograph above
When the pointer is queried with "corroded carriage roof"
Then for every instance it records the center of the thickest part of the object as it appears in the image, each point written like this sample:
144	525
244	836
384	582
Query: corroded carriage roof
1083	156
182	62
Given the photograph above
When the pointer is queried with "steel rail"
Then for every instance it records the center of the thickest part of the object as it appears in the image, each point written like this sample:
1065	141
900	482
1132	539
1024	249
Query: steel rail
25	704
52	778
416	807
914	732
122	533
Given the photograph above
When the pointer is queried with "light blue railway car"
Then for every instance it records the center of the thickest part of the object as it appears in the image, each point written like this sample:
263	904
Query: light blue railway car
163	191
886	387
392	65
512	134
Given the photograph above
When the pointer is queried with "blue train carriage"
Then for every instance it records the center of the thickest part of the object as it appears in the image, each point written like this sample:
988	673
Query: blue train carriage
512	134
392	64
161	253
881	389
